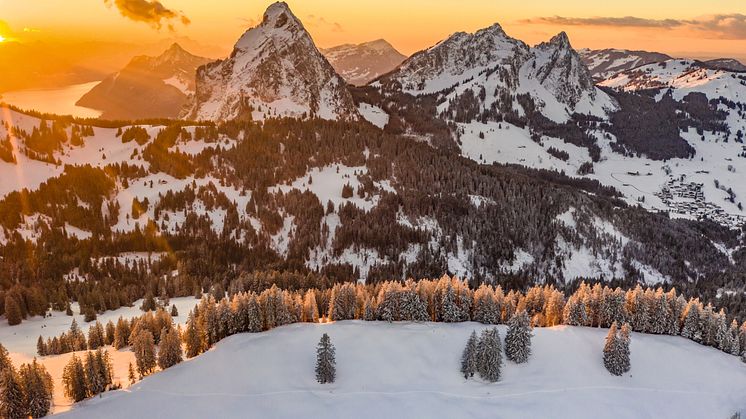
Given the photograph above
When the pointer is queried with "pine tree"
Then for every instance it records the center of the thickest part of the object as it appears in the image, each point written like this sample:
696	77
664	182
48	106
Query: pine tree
13	311
469	356
74	380
169	349
326	368
735	348
691	329
94	377
616	350
450	311
41	346
12	403
5	362
174	311
193	337
489	351
37	389
518	338
144	348
131	374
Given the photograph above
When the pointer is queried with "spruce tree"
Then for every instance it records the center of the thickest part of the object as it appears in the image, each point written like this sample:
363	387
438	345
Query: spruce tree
12	403
518	338
131	374
326	368
469	357
616	350
37	389
13	311
490	359
169	349
74	380
144	348
193	337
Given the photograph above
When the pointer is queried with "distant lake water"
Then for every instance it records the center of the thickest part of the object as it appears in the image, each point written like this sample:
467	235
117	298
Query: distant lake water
59	100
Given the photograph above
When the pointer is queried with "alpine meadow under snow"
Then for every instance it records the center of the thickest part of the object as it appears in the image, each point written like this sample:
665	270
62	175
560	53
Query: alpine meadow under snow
485	228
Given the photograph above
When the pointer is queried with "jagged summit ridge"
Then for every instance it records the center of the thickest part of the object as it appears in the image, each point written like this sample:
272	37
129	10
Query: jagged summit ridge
275	70
496	67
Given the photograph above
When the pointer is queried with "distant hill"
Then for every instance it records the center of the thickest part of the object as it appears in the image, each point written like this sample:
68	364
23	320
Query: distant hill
148	87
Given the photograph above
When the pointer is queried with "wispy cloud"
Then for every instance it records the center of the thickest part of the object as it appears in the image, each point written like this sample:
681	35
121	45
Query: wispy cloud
152	12
723	26
320	22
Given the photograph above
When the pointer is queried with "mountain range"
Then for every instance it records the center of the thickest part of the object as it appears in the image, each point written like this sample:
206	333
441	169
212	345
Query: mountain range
480	156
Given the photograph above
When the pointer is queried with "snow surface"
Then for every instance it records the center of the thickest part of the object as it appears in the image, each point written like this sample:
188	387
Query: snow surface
374	115
412	371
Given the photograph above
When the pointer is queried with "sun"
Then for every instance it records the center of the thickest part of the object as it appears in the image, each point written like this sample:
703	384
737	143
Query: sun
2	38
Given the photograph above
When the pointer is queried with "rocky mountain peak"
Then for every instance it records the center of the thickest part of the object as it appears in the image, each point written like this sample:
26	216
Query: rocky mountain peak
275	70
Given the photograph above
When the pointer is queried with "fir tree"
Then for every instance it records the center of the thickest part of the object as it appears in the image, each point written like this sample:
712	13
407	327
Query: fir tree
450	311
12	403
489	351
616	350
37	389
193	337
518	338
326	368
13	311
169	349
469	357
41	346
174	311
74	380
131	374
144	348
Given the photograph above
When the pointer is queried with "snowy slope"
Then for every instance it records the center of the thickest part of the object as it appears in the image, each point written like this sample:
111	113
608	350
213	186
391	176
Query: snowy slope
362	63
275	70
412	371
605	63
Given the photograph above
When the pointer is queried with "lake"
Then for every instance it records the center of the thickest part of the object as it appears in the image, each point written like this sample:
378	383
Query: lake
60	100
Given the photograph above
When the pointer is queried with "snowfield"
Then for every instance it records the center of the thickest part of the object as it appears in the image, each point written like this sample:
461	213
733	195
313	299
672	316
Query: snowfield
409	370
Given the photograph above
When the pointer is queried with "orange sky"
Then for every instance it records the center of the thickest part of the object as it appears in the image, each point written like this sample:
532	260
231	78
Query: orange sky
691	28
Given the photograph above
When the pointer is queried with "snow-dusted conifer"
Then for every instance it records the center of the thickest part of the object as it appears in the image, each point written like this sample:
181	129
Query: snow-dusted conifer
616	350
691	328
450	311
469	357
518	338
169	348
489	351
326	365
12	404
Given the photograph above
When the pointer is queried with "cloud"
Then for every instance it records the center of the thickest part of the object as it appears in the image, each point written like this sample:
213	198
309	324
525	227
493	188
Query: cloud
319	22
723	26
627	21
152	12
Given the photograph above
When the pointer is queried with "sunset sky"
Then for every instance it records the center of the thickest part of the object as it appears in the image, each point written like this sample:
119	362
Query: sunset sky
683	27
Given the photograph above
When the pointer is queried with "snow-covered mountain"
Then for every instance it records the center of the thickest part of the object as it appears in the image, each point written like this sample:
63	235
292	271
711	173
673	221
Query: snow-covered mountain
275	69
359	64
148	87
604	63
495	68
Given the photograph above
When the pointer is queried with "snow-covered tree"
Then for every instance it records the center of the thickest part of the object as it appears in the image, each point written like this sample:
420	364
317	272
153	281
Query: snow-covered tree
74	380
169	348
37	389
616	350
469	357
144	348
575	312
343	302
450	311
489	351
12	404
486	309
518	338
326	364
691	328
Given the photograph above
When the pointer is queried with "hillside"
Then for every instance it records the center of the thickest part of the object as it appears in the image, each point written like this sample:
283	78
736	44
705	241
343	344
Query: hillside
412	370
148	87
